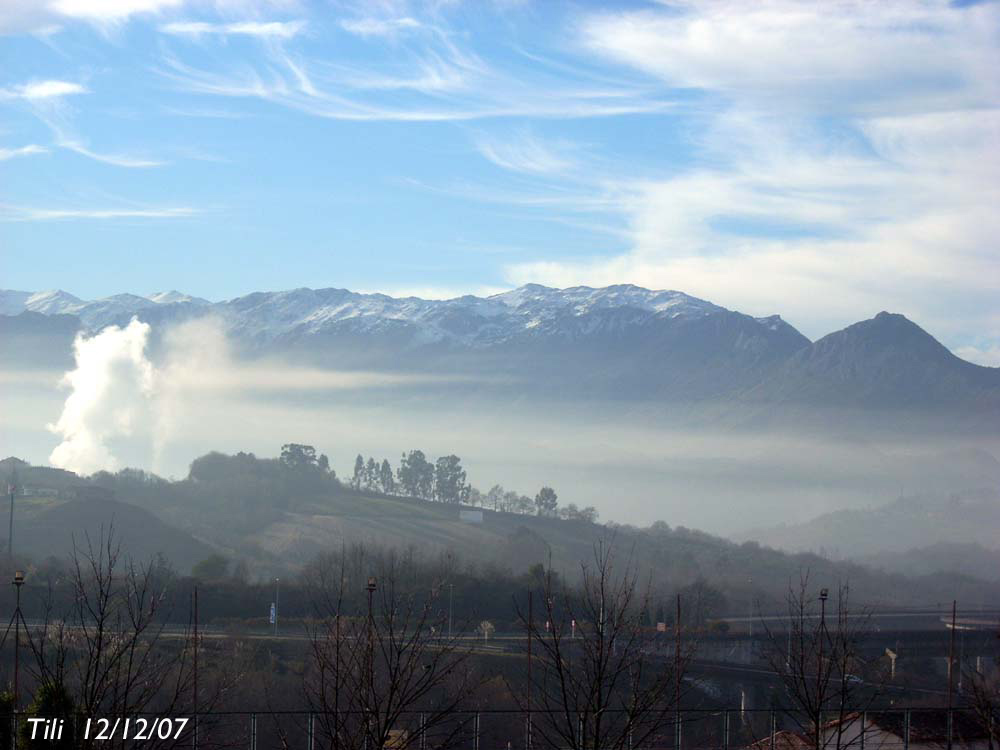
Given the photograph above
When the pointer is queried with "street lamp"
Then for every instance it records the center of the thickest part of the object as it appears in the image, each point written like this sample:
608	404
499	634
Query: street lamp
276	580
18	583
823	594
372	585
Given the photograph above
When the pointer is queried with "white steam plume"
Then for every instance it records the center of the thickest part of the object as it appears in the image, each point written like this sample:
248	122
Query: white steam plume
111	388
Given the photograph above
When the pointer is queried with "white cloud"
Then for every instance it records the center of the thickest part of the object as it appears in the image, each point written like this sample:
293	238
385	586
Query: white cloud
27	213
110	11
525	152
847	162
380	27
843	55
268	29
36	91
11	153
987	355
46	16
117	160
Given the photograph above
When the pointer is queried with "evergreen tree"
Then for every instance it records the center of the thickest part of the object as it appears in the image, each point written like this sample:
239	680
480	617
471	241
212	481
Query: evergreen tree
359	472
546	501
385	478
416	475
449	479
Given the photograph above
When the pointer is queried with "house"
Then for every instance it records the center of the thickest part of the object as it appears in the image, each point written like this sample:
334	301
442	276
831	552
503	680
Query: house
885	730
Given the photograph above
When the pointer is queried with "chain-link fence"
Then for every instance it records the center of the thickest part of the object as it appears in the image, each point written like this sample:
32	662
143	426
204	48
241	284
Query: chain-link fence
722	729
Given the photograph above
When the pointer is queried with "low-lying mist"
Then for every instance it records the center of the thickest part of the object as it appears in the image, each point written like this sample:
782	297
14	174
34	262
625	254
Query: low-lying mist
157	404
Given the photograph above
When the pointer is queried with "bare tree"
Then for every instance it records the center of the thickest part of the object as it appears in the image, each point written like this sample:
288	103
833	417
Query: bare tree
597	680
983	697
110	654
383	669
818	659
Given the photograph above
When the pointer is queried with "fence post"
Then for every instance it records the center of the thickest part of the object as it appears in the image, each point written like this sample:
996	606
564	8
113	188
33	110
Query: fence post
725	729
906	730
311	730
864	726
423	734
951	711
773	726
475	733
253	731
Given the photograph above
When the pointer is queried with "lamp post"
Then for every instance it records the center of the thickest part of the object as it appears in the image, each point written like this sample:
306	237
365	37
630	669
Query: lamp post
276	580
12	489
823	594
372	585
18	583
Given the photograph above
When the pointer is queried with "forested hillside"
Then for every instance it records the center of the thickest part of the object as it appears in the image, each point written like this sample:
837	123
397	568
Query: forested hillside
267	516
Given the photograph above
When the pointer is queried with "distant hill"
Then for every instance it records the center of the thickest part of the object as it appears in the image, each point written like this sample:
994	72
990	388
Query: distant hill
275	519
966	559
907	528
51	528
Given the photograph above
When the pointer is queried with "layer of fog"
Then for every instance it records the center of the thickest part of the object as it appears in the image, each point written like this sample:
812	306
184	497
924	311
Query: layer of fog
122	409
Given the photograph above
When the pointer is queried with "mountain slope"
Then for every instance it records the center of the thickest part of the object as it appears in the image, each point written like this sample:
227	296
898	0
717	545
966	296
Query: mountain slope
885	361
921	521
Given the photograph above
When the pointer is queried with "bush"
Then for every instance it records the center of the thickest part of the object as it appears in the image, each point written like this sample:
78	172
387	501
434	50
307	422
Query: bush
52	701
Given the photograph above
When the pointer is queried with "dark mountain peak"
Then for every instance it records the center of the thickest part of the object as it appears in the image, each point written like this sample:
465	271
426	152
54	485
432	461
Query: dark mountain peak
886	361
887	335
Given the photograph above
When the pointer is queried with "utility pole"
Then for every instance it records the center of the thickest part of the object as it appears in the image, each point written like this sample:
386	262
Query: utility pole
951	668
451	591
677	679
823	594
951	655
527	733
372	583
196	644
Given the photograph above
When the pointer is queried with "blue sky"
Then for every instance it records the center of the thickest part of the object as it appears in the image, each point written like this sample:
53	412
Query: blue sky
820	160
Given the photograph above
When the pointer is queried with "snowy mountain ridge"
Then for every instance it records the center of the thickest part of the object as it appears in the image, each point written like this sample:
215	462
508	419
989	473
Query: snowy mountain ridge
267	316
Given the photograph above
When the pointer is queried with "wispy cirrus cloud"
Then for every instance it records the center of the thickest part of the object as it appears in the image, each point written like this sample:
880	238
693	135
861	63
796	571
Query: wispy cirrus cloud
46	16
380	27
29	150
117	160
848	154
46	100
433	75
525	152
32	213
41	91
261	29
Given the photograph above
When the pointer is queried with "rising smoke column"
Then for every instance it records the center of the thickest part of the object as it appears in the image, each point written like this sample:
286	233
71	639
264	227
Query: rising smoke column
110	390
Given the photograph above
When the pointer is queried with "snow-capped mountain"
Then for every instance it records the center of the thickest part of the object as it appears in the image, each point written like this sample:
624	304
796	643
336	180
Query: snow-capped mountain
264	317
92	313
620	342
